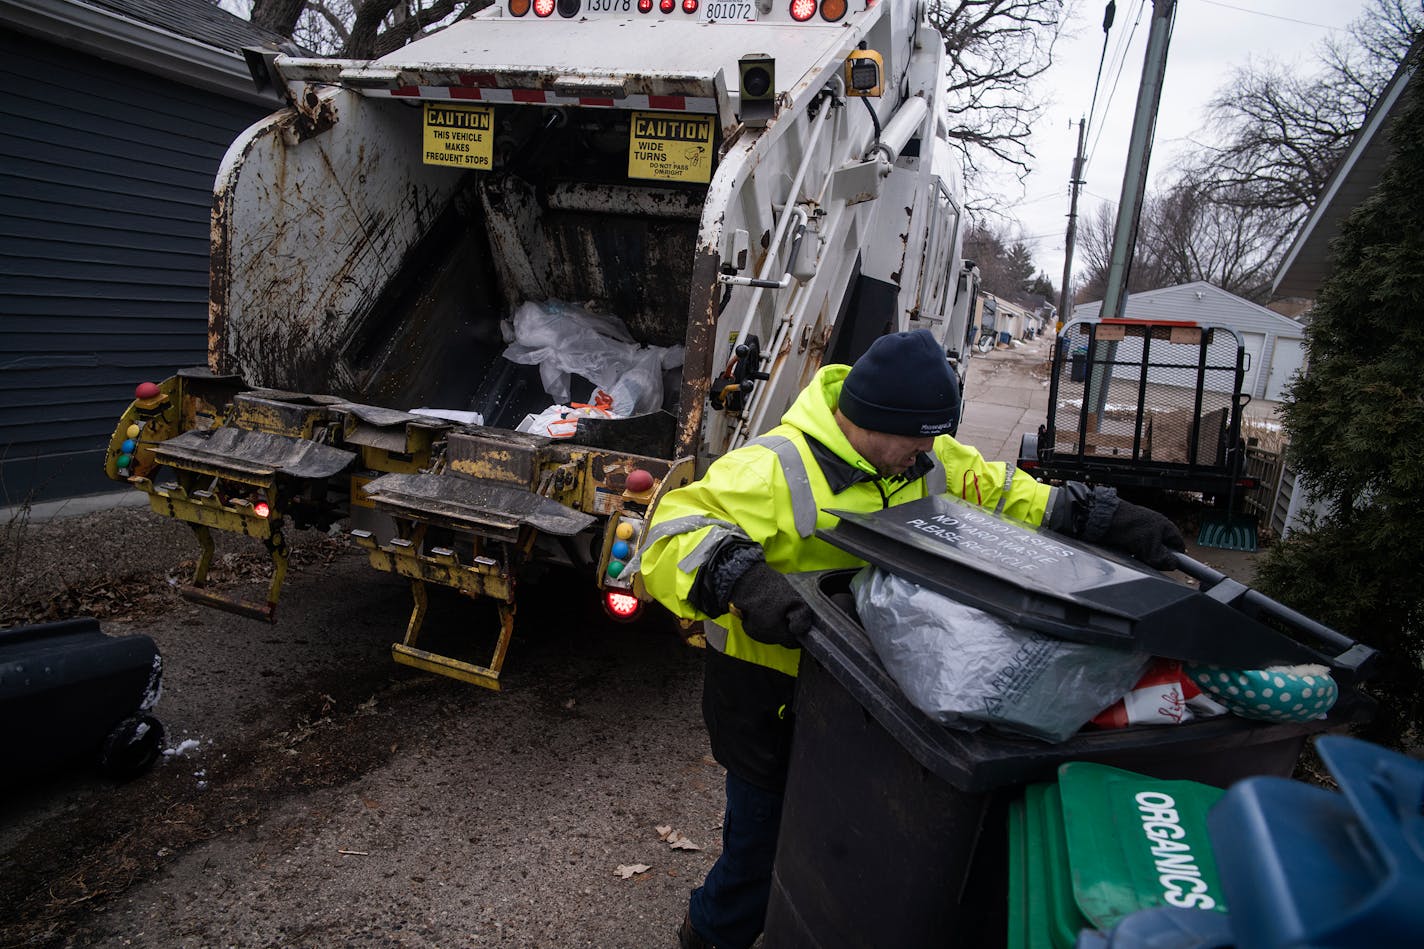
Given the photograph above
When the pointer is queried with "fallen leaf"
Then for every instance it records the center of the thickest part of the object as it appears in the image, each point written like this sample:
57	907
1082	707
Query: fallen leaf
678	842
626	870
675	838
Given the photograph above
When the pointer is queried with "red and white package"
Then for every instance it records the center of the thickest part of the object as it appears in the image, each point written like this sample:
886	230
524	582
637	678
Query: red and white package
1163	696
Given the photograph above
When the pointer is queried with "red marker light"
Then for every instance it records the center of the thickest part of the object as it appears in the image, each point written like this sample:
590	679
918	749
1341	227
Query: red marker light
622	606
689	6
543	7
645	6
667	6
261	509
802	10
147	390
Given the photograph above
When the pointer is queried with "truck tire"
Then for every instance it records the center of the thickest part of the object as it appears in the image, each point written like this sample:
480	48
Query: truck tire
131	748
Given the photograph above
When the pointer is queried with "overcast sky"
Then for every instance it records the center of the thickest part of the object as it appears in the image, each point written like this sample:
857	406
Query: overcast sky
1210	39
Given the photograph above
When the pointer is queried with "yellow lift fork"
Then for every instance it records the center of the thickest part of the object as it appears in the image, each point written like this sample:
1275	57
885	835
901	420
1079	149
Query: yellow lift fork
483	577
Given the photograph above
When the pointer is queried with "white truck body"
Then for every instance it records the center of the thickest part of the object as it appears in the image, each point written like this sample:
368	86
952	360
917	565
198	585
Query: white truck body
354	259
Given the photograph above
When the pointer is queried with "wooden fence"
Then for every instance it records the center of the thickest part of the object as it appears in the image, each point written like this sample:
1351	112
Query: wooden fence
1265	466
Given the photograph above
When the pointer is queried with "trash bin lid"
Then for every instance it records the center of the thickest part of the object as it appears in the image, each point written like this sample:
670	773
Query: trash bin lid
1041	580
1065	918
1307	866
1136	842
1042	912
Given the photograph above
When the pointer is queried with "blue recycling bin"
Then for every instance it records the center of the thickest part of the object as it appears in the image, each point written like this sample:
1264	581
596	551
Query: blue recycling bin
1303	866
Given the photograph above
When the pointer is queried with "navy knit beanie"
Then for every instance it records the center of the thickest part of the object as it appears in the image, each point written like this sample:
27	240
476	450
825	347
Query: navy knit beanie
903	385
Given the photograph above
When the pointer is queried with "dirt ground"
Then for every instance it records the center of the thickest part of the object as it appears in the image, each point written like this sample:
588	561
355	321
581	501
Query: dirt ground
334	798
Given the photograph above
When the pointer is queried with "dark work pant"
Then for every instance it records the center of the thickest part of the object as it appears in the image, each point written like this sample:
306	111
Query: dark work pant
729	908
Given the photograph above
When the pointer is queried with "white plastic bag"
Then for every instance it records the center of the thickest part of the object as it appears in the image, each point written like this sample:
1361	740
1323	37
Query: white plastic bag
561	338
639	388
962	666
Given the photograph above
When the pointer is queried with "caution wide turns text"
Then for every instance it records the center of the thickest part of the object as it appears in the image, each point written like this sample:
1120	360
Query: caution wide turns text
670	146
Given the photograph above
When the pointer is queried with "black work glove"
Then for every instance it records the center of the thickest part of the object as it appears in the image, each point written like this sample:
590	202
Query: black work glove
1144	534
771	611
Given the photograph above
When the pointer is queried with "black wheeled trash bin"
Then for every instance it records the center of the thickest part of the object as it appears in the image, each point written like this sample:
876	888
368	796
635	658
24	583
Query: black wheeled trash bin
893	832
69	692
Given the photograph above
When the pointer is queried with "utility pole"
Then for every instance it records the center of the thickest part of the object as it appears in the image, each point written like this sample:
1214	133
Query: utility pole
1075	181
1139	150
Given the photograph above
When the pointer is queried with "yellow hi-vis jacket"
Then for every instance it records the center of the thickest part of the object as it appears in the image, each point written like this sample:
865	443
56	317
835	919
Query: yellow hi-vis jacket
774	492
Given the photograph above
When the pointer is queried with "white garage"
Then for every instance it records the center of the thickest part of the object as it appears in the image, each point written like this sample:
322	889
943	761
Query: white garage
1275	344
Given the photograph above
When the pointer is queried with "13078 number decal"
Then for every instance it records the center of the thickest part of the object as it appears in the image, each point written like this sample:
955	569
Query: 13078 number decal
610	6
729	10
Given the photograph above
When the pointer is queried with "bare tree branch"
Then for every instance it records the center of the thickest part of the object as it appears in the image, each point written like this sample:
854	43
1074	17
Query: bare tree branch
995	49
1281	135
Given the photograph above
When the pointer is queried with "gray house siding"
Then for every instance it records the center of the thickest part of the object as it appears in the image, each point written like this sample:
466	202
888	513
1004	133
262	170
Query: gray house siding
1257	327
106	179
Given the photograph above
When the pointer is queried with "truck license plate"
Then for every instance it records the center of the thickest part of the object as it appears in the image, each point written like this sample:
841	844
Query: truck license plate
743	10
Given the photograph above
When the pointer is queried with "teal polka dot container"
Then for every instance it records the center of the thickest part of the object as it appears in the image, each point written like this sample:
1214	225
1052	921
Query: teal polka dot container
1278	694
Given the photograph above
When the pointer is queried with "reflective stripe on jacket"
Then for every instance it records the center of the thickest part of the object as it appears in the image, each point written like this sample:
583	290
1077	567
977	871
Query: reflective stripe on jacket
775	492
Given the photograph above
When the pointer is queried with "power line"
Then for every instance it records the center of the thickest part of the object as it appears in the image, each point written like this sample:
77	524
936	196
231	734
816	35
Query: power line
1115	61
1035	200
1113	92
1272	16
1108	13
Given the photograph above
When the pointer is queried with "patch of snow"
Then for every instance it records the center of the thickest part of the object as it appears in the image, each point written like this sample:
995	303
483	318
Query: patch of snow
154	690
182	748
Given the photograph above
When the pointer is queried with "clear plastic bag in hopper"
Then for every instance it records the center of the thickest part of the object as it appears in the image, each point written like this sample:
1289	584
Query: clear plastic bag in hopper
963	667
561	338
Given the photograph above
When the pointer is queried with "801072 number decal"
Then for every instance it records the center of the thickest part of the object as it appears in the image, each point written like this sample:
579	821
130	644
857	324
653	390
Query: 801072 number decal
729	10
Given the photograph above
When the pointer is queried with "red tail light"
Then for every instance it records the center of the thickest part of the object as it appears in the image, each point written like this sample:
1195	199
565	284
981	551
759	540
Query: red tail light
802	10
645	6
667	6
622	606
689	6
543	7
261	509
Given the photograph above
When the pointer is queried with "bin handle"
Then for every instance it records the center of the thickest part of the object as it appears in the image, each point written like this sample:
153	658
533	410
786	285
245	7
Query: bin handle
1354	656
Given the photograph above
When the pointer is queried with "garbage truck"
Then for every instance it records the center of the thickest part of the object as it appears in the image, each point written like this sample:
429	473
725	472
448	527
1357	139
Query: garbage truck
484	300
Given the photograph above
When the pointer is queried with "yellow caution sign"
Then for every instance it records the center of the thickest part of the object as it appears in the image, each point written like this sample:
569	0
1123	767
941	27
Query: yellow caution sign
458	135
670	146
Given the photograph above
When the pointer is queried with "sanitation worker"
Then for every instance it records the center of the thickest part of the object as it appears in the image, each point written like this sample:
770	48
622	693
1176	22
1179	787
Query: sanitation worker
858	438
